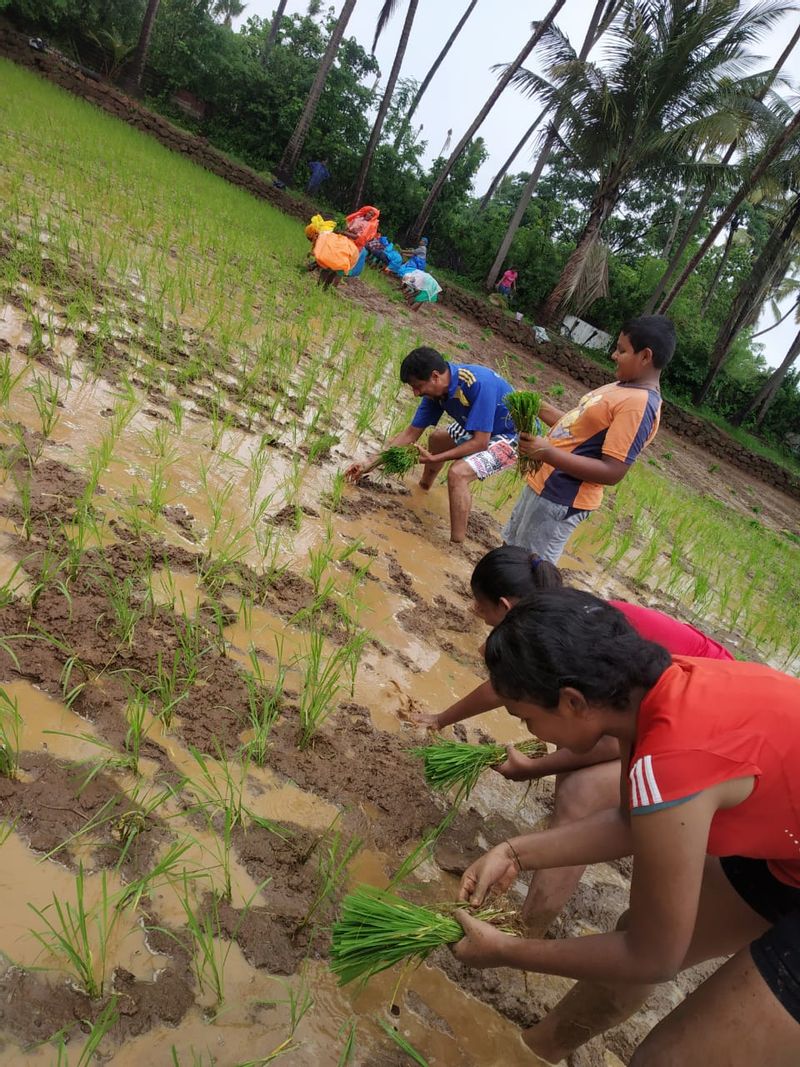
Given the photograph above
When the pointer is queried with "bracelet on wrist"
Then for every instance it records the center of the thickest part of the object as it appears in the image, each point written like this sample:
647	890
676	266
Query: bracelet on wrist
514	855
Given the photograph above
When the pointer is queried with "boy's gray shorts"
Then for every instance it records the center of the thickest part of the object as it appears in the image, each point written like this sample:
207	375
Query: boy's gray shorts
541	526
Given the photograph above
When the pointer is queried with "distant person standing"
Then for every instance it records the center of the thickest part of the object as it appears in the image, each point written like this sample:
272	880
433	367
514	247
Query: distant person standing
508	283
319	174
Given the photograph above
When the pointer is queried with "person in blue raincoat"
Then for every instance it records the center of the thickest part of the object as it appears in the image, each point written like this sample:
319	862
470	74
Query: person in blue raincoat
319	174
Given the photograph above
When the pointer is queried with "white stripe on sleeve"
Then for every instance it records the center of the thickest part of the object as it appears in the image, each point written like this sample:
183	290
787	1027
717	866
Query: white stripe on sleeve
634	790
644	798
655	792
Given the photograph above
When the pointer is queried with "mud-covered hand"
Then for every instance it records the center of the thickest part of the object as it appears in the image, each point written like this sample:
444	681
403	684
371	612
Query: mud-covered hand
424	718
532	446
518	768
495	871
482	944
355	472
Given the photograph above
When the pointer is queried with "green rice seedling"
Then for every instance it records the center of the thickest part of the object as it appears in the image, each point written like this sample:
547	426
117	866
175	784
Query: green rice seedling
25	500
170	685
97	1030
264	702
46	400
321	684
321	447
455	763
523	407
299	1002
401	1043
211	948
349	1046
333	859
8	380
68	933
136	712
125	613
377	929
10	730
398	459
165	871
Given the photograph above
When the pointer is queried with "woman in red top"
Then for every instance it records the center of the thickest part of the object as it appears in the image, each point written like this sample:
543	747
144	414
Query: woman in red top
586	782
711	817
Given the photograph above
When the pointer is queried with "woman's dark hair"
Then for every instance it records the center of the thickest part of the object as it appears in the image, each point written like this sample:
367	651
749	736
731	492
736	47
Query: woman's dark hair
511	571
420	363
565	637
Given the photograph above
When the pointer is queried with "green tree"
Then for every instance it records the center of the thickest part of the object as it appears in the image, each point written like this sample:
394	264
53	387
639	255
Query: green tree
374	137
291	154
667	88
539	28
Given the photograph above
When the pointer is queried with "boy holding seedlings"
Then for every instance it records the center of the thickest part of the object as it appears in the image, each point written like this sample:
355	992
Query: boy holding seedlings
594	444
479	442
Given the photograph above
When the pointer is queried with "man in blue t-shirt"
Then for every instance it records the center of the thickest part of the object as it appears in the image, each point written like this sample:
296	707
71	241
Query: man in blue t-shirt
480	441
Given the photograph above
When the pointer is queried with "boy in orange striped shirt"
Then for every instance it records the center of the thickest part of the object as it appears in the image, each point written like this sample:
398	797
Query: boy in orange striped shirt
594	444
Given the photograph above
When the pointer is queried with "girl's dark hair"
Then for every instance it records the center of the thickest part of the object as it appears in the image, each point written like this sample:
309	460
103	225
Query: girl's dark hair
565	637
510	571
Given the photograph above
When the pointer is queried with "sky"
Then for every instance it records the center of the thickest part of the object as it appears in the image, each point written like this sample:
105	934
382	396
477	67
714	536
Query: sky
494	34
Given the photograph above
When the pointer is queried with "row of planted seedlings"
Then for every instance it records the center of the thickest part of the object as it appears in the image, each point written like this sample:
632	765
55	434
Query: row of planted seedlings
218	787
727	570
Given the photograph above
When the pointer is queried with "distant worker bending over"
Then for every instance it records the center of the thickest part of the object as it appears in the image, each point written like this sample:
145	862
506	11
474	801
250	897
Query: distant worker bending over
481	440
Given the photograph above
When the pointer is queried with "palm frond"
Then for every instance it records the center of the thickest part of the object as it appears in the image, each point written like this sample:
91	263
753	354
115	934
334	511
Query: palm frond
384	15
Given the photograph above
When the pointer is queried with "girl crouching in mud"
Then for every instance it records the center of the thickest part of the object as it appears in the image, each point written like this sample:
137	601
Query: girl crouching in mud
585	782
710	814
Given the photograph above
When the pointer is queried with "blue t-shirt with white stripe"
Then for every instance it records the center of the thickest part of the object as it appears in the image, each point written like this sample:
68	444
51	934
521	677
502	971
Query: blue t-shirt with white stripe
475	399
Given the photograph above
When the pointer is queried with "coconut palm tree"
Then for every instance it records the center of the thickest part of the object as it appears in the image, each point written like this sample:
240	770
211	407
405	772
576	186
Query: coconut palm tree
394	73
762	401
429	76
538	29
769	267
291	154
274	28
670	85
229	10
531	130
776	147
604	13
133	78
701	208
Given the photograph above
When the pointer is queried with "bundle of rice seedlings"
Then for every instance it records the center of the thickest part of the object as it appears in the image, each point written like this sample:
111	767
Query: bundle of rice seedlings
455	763
523	407
398	459
377	930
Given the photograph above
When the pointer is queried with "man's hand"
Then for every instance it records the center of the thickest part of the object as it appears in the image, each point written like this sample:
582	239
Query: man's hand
354	473
518	768
531	446
424	718
425	456
495	870
482	944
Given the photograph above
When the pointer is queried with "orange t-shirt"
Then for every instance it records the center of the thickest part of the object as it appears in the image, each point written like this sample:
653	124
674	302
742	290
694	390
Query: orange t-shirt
617	420
708	721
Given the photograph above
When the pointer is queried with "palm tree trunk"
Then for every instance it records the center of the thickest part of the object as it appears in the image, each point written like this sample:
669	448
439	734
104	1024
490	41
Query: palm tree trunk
133	79
699	212
374	137
275	26
291	154
415	231
762	401
487	196
429	76
751	293
723	259
604	203
597	25
679	212
768	157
